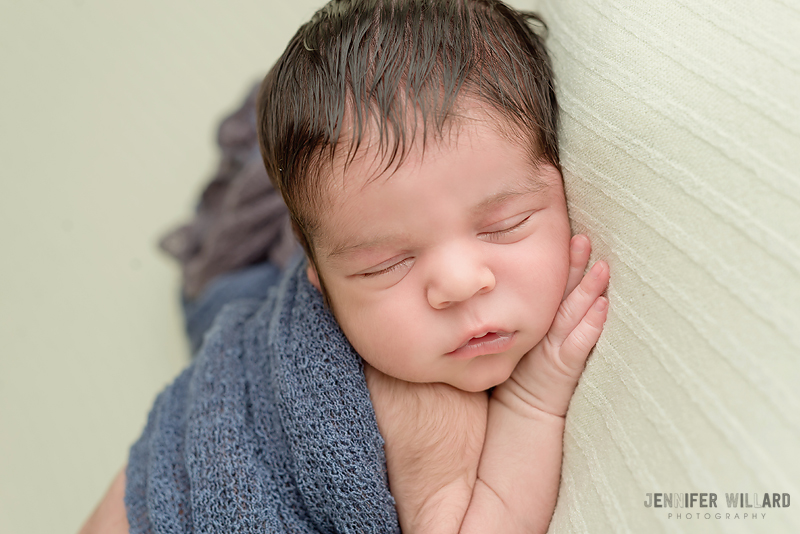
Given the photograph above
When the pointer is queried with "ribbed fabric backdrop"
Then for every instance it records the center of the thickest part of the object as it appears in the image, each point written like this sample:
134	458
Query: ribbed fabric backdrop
681	155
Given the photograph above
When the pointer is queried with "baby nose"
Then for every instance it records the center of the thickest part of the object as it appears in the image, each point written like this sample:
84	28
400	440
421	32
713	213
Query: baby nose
458	280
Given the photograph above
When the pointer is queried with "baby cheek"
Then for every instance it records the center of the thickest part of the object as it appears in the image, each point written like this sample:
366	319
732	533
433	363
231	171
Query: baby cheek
539	278
380	330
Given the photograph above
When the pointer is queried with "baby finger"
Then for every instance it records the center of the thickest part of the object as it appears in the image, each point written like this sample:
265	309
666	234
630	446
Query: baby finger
579	343
579	250
574	308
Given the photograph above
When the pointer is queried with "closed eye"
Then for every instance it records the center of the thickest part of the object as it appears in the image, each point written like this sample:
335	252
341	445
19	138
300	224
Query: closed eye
497	235
388	269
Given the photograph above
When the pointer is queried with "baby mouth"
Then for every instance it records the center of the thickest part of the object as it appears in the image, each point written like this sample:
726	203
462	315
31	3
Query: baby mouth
488	336
483	343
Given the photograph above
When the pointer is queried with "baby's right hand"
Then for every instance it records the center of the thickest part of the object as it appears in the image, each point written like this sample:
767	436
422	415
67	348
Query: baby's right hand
546	377
433	435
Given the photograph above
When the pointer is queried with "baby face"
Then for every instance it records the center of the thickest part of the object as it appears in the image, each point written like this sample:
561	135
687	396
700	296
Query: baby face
451	268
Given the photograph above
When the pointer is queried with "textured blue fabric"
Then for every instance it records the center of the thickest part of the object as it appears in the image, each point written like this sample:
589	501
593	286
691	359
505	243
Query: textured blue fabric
249	283
270	429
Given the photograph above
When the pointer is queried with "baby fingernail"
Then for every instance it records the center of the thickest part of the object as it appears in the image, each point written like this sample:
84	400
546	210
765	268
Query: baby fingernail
596	269
600	304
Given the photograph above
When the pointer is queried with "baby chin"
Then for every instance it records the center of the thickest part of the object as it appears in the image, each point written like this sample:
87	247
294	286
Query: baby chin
487	371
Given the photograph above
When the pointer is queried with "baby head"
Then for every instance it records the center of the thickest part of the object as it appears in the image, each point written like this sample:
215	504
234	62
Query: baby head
414	142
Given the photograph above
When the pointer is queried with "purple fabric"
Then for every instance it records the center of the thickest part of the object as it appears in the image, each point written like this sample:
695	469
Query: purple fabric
241	220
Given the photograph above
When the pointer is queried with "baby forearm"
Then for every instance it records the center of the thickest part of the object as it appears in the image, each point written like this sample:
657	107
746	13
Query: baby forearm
434	435
443	511
517	478
519	469
520	465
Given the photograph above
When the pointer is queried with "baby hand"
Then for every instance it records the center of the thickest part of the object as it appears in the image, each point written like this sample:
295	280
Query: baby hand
433	435
546	377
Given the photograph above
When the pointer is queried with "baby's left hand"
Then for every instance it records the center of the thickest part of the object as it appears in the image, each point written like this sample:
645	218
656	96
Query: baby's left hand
546	377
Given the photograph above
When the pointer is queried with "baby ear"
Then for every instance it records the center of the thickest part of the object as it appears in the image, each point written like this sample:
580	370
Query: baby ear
313	277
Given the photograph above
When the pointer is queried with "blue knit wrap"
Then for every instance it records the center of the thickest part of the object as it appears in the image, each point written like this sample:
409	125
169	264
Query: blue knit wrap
270	429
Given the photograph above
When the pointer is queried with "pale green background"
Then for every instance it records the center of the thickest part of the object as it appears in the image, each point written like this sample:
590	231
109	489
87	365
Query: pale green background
107	126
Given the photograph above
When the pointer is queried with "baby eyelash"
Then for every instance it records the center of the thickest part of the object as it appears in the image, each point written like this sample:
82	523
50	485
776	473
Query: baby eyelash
491	235
386	270
501	233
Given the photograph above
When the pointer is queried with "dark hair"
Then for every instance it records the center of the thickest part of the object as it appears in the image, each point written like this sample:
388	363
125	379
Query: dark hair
395	65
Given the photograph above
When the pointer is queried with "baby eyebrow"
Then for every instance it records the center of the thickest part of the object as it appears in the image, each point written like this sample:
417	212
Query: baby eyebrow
343	249
529	187
526	187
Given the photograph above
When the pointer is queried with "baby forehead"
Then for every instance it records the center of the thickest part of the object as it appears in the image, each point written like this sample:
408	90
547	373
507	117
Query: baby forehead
381	216
471	183
374	159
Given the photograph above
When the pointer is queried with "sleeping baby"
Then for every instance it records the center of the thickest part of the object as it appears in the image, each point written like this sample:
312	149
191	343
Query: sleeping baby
441	299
